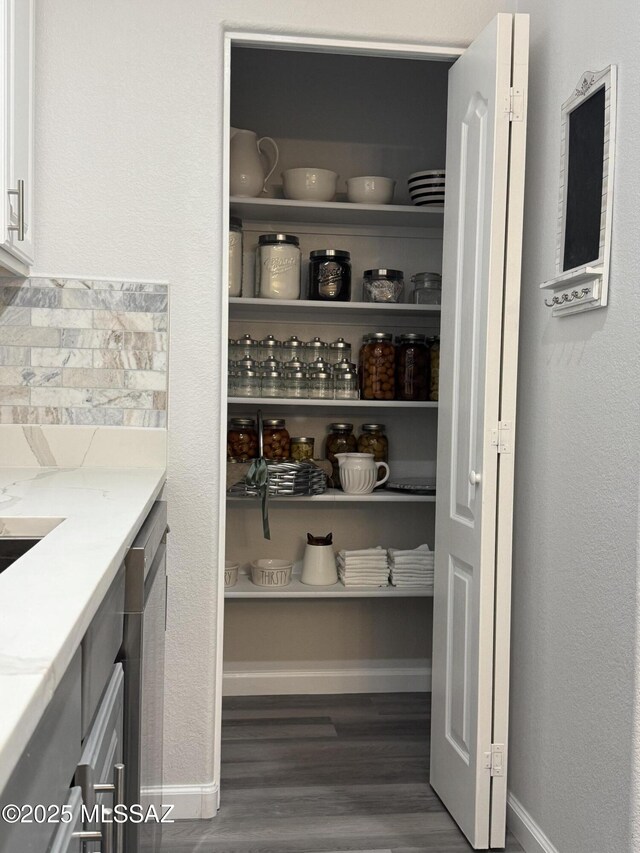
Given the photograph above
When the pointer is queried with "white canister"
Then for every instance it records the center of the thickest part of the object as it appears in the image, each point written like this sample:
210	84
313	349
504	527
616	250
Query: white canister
235	256
278	266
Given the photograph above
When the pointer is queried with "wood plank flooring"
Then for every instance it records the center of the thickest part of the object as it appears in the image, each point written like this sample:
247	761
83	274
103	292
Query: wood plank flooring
325	774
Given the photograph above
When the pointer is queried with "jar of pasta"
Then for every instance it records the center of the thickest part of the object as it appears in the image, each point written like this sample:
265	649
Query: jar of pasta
373	440
377	366
340	440
276	442
242	439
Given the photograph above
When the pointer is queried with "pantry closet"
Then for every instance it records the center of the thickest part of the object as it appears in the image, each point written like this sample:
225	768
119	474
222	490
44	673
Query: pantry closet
372	109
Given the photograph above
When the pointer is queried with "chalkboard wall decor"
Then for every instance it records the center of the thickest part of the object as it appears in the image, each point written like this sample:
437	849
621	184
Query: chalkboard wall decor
586	195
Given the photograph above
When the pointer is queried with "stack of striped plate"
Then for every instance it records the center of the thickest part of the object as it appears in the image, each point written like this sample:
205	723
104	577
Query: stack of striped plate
427	187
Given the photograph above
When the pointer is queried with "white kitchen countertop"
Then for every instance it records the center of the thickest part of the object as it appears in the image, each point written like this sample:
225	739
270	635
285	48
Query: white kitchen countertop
50	595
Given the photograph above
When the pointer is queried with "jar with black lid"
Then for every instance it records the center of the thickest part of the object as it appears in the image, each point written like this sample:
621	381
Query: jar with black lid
382	285
330	275
340	440
412	368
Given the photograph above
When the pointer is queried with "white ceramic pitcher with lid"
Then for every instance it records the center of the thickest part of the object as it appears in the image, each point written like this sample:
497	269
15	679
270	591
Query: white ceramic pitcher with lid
359	473
247	176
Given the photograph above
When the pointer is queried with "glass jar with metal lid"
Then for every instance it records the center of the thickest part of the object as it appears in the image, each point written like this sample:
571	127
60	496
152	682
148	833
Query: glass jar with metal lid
271	383
427	288
382	285
295	383
235	256
302	448
373	440
340	440
315	349
292	348
246	363
320	384
320	364
268	348
231	379
378	363
242	439
345	381
276	442
268	365
247	384
338	350
232	349
247	347
412	367
330	275
278	266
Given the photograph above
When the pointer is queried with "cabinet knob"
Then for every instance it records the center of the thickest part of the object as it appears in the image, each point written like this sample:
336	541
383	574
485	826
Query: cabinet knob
474	478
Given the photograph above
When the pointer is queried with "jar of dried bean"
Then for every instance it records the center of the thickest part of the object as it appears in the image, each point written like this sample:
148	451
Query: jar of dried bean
412	368
378	365
340	440
242	439
302	448
373	440
276	440
434	354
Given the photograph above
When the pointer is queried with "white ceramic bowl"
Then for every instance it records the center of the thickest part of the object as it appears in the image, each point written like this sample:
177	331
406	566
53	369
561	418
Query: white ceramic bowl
271	573
230	573
309	184
370	189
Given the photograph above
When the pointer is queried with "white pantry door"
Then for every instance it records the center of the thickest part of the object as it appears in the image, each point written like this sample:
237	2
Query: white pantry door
470	671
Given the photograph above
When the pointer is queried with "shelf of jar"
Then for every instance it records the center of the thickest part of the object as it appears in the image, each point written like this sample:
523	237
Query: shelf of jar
336	212
245	588
337	496
250	308
302	404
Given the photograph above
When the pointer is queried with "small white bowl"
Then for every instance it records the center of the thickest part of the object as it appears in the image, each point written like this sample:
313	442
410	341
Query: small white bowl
230	573
271	573
309	184
370	189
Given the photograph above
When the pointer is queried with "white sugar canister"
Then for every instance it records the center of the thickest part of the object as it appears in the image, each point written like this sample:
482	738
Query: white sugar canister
235	256
278	266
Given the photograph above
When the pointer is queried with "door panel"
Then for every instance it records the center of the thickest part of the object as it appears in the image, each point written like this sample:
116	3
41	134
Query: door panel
473	277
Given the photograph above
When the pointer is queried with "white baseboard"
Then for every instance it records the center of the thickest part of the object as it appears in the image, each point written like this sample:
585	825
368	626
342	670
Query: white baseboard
393	677
525	829
190	802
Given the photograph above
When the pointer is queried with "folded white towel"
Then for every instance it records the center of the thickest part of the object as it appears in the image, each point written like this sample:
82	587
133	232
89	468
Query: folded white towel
363	552
421	549
413	564
356	561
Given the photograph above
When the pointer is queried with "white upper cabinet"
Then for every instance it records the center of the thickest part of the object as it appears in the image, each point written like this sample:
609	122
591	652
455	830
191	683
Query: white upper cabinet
16	210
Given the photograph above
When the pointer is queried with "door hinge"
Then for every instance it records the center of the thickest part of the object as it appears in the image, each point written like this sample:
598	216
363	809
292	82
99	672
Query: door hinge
494	760
501	437
514	104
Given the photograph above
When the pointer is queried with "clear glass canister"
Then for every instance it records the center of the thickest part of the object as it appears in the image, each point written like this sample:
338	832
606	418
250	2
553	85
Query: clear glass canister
340	440
292	348
246	363
427	288
330	275
412	367
276	440
315	349
248	384
278	266
247	347
345	382
231	379
320	385
269	365
295	384
434	358
271	383
235	256
302	448
338	350
377	366
373	440
320	365
382	285
268	348
232	350
242	439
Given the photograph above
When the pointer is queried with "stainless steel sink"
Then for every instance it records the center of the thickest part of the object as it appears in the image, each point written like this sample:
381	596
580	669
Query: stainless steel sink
19	535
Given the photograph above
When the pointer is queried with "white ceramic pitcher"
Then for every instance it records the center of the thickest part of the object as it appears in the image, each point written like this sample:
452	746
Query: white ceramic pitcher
246	173
359	473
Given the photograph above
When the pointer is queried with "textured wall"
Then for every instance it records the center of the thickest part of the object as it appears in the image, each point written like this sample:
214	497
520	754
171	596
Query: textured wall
128	170
574	734
83	352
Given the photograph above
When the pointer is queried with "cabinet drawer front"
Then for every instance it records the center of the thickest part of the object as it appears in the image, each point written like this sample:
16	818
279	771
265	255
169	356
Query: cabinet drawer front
46	767
100	647
62	840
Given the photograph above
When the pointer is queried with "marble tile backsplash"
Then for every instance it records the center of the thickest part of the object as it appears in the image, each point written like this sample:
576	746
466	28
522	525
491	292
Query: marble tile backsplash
83	352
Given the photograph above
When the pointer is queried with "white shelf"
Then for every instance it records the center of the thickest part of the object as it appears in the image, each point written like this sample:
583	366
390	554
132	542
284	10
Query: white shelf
335	312
336	212
245	588
282	403
336	496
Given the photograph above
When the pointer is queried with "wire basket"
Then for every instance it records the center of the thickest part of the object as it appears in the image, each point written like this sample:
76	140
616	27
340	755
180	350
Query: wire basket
287	479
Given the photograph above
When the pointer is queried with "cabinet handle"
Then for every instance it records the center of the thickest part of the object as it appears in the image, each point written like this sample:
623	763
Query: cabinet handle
105	834
20	226
117	789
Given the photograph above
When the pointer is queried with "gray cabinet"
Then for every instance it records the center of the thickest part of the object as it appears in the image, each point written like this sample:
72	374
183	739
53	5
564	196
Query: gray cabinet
65	839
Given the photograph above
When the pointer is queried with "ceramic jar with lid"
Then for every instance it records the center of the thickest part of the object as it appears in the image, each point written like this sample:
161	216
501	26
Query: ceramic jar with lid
242	439
340	440
382	285
427	288
278	266
412	367
330	275
338	350
377	365
373	440
235	256
275	439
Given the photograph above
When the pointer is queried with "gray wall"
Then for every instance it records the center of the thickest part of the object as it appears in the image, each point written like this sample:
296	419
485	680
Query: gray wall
574	733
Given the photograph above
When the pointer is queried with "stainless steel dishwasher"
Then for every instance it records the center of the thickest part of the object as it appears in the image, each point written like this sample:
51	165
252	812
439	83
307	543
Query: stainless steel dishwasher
145	619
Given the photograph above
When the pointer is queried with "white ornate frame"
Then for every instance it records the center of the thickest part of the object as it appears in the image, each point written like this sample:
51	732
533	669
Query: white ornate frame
586	287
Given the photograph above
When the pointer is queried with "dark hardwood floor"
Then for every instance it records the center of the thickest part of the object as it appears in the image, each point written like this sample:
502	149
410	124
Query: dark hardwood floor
323	774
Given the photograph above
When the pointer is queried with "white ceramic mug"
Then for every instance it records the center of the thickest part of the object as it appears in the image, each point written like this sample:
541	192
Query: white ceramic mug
359	473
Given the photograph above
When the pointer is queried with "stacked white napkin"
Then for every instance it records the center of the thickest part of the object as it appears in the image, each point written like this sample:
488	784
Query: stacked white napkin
368	567
412	568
